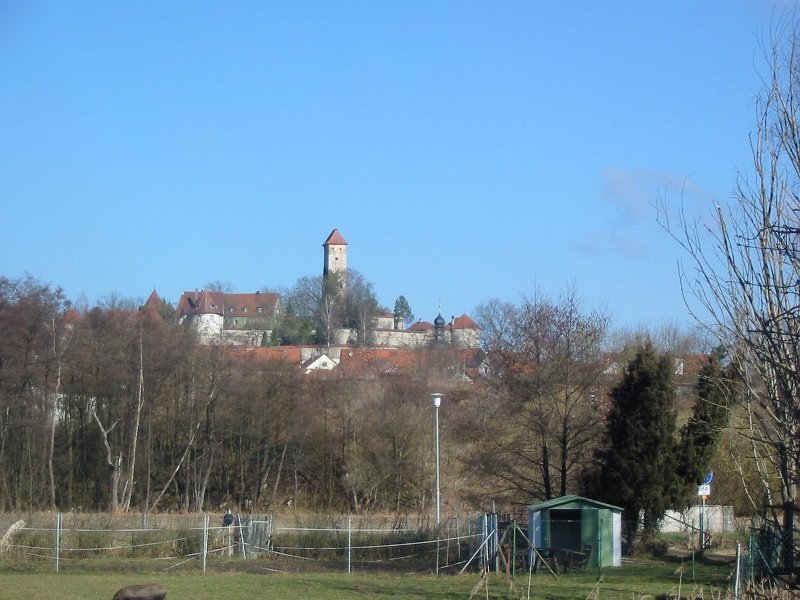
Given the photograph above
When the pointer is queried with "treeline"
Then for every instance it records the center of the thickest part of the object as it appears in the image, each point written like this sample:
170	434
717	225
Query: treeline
113	408
118	409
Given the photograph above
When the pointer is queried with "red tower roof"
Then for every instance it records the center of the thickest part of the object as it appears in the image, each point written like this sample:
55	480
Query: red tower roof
335	239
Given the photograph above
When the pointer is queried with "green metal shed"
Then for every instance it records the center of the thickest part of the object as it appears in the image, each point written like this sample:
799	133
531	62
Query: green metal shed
577	524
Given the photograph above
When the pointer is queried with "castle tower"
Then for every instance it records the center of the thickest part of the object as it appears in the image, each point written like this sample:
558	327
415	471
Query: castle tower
438	330
335	260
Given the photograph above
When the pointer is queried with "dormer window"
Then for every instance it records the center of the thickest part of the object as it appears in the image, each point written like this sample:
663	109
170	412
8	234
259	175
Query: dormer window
232	310
244	310
260	310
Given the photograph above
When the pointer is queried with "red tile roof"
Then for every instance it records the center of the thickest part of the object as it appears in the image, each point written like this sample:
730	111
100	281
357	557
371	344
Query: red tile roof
376	361
248	304
335	239
390	361
421	327
153	305
289	354
207	302
464	322
198	303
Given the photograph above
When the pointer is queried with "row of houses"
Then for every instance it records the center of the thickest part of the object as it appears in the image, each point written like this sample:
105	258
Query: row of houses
356	362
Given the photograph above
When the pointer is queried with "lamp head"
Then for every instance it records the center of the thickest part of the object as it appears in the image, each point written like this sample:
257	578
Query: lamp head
436	398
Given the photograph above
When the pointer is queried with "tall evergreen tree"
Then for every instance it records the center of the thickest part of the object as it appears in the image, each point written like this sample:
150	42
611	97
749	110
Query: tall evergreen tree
402	310
637	469
701	433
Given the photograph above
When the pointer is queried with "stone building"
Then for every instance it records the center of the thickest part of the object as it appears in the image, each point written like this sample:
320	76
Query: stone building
335	258
230	319
249	319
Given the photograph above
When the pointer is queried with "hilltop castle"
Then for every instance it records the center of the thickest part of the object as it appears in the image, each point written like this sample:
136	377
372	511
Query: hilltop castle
249	319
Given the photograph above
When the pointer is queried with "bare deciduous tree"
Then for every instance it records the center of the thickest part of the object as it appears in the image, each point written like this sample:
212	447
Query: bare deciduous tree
359	306
745	273
545	359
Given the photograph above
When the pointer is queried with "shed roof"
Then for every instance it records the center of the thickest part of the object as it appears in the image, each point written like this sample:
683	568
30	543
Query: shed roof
572	499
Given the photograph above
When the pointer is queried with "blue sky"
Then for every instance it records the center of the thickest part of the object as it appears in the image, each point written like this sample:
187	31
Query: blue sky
465	150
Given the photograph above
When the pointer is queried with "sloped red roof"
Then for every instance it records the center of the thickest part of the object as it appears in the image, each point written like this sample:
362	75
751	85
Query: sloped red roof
464	322
289	354
153	302
421	327
377	361
335	239
207	302
200	303
248	304
390	361
152	308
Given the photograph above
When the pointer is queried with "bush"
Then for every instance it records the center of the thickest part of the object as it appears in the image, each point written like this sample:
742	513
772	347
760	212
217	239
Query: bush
186	542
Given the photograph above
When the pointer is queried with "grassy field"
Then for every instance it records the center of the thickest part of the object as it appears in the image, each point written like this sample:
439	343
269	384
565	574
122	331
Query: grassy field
631	582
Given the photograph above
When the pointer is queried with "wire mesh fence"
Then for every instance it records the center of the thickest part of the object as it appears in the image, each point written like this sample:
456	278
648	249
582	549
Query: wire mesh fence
340	542
65	541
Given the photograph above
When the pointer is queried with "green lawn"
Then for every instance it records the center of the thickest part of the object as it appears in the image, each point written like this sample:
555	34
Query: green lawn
27	582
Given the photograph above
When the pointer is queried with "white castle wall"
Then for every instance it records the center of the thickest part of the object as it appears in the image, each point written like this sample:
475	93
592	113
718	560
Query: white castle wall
208	327
466	338
245	337
393	338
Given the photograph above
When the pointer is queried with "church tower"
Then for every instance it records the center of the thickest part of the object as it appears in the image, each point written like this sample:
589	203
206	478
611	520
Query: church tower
335	260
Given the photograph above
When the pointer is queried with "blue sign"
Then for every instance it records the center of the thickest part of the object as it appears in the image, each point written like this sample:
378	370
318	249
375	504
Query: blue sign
708	478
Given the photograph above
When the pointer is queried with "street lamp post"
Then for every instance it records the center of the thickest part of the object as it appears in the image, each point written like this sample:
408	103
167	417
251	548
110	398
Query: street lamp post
437	401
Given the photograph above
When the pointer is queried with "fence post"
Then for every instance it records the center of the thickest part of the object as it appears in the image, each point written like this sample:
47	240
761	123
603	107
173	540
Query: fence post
496	543
737	577
270	530
448	530
514	547
458	540
485	536
438	547
58	539
242	541
349	542
205	542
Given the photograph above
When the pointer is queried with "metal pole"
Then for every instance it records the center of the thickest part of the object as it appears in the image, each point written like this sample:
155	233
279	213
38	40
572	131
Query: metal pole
513	548
438	489
58	539
270	533
242	544
702	524
437	400
736	588
349	543
205	542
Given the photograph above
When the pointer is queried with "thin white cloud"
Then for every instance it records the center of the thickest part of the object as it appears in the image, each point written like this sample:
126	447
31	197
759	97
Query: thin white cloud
629	198
634	193
611	242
